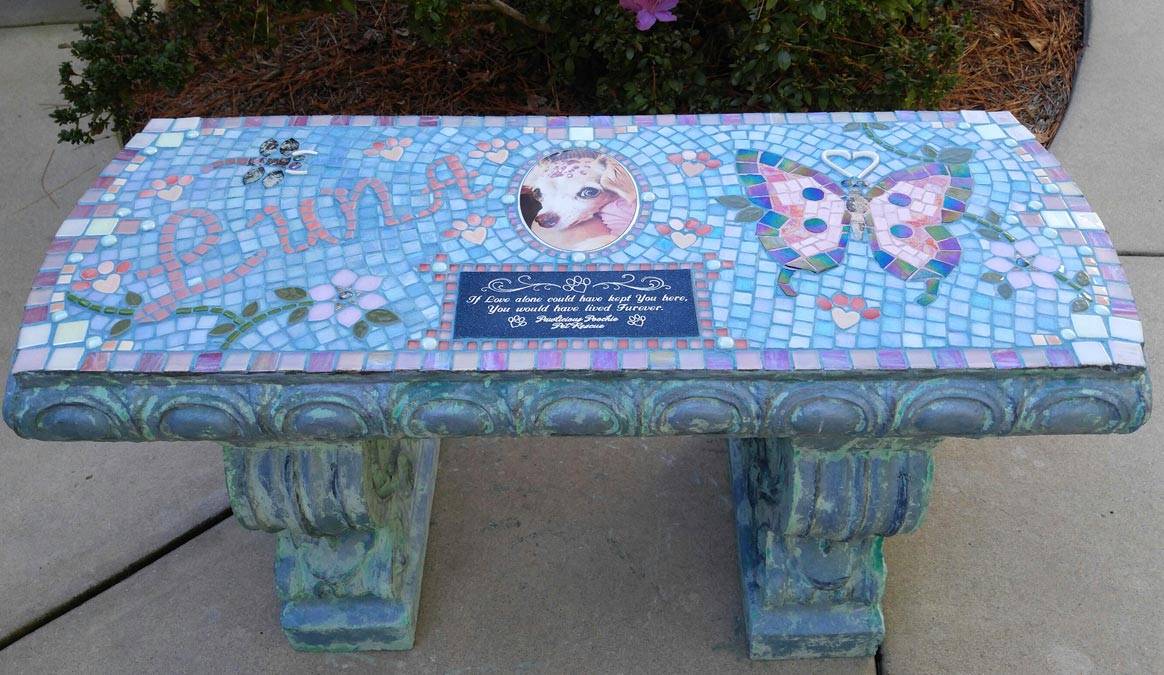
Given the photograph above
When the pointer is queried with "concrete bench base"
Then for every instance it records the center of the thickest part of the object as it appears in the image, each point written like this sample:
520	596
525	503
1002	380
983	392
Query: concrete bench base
810	517
352	523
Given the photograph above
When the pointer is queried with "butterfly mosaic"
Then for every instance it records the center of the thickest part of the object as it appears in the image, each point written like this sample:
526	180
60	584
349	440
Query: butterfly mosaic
804	219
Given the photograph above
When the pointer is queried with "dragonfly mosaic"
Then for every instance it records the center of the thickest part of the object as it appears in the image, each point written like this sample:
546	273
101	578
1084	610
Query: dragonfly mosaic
815	241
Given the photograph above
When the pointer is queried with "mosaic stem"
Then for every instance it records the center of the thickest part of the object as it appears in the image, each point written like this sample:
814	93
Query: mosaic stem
259	318
986	223
204	309
95	307
891	147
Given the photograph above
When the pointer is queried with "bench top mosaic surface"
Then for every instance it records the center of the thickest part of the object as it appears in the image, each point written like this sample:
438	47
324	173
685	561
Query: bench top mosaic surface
750	242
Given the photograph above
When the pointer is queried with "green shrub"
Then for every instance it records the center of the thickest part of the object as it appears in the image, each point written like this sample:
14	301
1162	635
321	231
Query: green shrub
151	49
718	55
117	55
732	54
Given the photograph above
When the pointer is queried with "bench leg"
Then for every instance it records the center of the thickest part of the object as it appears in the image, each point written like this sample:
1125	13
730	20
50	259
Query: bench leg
810	517
352	524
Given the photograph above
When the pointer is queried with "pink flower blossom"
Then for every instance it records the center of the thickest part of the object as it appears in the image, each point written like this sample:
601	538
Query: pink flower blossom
346	298
647	12
1038	270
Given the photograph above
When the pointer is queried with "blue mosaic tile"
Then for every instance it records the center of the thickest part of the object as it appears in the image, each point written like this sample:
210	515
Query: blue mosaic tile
823	241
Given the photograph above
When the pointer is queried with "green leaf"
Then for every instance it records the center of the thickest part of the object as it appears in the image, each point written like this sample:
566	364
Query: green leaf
291	293
381	316
119	327
297	315
992	217
360	329
955	155
1005	291
783	59
851	126
881	126
132	299
250	309
991	277
989	233
734	201
750	213
929	151
222	329
818	11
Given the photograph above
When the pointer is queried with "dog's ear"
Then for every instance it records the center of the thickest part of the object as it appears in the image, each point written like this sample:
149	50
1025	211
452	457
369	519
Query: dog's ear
617	179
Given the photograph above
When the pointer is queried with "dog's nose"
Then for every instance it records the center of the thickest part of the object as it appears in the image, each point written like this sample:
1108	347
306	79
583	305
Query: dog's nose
547	219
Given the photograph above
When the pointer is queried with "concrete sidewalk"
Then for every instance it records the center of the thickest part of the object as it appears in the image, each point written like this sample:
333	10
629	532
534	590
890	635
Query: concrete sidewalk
1038	555
76	515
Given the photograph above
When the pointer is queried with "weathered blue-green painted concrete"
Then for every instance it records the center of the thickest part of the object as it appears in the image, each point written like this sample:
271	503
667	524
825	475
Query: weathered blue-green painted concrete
325	407
335	465
352	524
810	518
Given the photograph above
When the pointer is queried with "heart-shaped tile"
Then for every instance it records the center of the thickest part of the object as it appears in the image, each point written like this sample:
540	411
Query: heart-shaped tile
108	284
845	318
851	157
475	235
171	193
393	153
693	169
683	239
497	156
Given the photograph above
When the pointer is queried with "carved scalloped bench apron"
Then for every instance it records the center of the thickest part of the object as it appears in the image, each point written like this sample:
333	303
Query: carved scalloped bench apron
329	296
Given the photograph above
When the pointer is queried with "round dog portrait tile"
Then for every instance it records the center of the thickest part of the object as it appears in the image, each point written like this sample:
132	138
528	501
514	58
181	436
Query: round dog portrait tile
578	200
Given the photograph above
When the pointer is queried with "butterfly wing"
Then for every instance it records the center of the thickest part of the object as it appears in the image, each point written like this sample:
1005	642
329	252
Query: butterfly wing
805	225
908	212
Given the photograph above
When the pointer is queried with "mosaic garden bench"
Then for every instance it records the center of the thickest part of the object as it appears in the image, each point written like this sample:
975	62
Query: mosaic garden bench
329	296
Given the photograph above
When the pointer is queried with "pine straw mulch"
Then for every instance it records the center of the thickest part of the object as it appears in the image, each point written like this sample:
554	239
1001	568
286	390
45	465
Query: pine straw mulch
1021	56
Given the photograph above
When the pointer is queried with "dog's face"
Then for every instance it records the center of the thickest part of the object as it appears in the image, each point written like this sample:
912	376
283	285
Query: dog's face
570	189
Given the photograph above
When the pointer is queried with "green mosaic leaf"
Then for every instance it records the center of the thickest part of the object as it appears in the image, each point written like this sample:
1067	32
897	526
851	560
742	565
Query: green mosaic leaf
750	213
291	293
955	155
733	201
381	316
132	299
222	329
929	151
851	126
1080	304
250	309
882	126
992	217
120	327
297	315
360	329
1005	291
991	277
989	233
